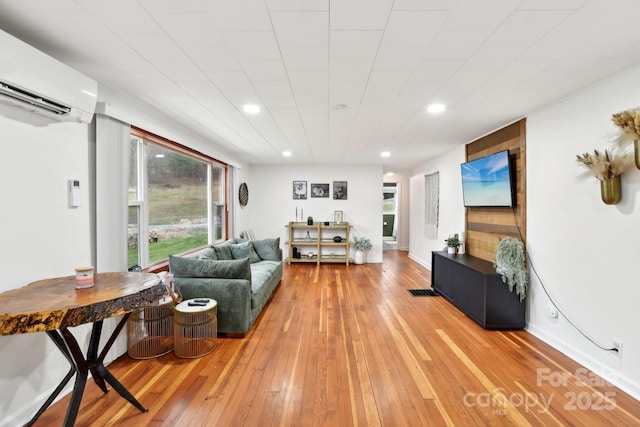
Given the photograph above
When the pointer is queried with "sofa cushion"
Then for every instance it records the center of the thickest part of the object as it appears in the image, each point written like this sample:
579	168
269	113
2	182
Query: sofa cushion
267	249
226	269
265	275
244	250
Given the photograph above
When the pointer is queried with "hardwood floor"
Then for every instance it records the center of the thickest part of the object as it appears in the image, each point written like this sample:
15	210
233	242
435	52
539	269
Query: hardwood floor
341	346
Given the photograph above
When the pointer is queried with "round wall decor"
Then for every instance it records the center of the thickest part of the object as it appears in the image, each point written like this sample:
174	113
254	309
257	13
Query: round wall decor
243	194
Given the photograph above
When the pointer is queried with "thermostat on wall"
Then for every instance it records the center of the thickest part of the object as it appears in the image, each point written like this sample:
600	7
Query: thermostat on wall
74	193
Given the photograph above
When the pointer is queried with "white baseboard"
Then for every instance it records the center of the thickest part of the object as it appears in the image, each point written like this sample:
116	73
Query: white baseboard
597	367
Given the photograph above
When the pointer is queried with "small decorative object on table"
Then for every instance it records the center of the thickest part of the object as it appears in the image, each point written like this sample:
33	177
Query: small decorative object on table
452	243
338	217
84	277
309	220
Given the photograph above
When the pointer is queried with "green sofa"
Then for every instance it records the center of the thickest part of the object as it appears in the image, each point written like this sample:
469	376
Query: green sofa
239	275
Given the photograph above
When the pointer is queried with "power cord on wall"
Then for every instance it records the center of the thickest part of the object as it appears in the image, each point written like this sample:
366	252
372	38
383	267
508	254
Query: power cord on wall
544	288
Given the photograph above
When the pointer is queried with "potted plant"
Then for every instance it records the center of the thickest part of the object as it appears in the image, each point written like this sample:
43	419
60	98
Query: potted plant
510	263
452	243
362	245
309	220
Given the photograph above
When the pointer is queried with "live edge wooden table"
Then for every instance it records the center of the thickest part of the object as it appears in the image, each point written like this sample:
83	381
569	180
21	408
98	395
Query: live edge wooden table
54	305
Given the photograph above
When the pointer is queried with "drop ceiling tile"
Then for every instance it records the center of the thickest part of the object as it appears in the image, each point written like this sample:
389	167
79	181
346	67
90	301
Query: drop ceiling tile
399	58
385	85
273	89
297	5
136	20
524	28
360	14
490	59
258	70
279	102
253	45
423	5
350	69
214	103
436	70
154	46
200	89
551	4
455	44
171	6
349	93
354	44
181	71
191	30
214	59
467	13
305	58
235	86
414	28
301	28
310	86
239	15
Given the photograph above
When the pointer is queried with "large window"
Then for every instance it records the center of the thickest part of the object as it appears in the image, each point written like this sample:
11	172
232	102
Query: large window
177	200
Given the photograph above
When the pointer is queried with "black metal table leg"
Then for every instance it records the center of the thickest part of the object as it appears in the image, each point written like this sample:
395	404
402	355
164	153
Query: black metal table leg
81	366
59	342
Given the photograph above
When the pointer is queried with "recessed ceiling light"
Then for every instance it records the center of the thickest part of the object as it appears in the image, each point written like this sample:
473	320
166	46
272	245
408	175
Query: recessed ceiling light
389	173
159	156
286	153
436	108
385	154
251	108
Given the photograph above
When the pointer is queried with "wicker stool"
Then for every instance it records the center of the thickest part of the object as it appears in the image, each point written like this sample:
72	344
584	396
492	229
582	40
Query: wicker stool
150	331
196	327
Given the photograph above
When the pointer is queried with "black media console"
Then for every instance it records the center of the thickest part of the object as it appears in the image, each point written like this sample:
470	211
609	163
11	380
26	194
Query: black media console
472	285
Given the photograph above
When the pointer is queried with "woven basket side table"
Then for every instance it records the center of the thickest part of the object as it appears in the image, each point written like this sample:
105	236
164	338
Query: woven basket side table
150	331
195	328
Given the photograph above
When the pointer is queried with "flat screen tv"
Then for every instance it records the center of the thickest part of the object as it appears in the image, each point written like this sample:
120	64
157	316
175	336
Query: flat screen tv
487	181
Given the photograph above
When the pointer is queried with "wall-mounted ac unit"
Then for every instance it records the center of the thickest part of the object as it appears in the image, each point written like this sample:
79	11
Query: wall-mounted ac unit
34	81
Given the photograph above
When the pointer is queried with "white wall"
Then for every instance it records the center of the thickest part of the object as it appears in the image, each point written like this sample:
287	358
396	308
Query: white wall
42	238
271	204
451	208
585	252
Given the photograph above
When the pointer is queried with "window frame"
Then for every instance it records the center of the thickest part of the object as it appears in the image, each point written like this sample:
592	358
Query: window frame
142	205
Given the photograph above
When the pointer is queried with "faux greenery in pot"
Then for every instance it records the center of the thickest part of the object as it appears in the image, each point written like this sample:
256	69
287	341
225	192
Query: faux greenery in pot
362	244
453	241
510	263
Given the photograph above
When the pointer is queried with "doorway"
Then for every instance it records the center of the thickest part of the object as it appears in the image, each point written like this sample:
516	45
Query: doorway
390	215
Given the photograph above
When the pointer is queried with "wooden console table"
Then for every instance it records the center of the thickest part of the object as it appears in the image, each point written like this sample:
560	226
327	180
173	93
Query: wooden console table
54	305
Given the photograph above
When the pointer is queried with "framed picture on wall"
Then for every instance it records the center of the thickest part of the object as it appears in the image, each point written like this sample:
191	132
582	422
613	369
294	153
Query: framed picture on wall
320	190
339	190
299	190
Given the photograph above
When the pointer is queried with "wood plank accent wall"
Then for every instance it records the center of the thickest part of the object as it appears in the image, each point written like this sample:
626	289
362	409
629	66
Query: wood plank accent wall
485	227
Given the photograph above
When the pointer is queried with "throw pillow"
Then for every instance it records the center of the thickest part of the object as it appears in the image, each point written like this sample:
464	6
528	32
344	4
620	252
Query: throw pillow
223	251
204	268
267	249
207	253
244	250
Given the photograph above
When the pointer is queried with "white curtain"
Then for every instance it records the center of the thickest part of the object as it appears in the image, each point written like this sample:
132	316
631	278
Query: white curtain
431	204
112	184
